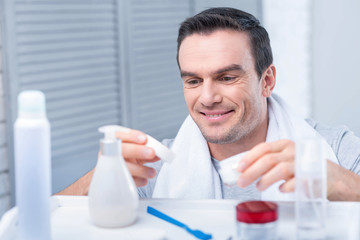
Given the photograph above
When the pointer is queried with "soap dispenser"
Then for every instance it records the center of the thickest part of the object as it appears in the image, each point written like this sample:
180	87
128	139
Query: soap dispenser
113	197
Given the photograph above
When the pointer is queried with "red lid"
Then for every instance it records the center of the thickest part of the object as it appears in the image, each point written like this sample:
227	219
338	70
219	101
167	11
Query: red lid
256	212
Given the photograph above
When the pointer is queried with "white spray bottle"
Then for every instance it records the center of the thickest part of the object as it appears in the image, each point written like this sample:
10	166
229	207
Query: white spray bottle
113	197
33	166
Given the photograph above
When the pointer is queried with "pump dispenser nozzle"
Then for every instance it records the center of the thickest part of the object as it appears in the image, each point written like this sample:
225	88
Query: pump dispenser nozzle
110	131
108	145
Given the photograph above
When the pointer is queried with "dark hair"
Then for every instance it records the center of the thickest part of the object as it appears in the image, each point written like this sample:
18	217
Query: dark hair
214	19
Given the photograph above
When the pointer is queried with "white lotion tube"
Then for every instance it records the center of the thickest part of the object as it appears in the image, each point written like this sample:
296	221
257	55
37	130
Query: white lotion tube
161	150
32	167
228	169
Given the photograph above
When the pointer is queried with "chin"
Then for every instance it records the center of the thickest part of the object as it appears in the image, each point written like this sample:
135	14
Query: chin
226	137
218	139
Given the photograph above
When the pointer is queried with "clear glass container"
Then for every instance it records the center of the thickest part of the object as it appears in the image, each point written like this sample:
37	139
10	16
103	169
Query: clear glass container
256	220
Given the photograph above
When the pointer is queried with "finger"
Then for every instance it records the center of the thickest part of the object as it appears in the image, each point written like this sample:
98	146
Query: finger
288	186
141	171
260	150
132	136
139	161
140	182
131	150
282	171
259	168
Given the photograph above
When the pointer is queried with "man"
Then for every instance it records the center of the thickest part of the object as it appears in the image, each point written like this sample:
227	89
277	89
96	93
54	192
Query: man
225	61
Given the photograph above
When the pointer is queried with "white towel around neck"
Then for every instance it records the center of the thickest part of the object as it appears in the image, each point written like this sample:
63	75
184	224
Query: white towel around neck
191	175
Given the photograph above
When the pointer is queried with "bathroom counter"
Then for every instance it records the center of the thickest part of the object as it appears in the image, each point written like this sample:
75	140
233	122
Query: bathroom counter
71	220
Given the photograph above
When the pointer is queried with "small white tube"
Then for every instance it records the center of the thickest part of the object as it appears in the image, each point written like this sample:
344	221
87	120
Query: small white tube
161	150
228	169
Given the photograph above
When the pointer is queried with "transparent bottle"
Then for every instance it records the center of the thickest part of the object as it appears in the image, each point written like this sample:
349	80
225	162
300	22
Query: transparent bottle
32	167
310	189
256	220
113	197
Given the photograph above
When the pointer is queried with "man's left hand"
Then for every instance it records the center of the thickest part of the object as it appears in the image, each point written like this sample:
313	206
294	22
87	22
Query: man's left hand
271	162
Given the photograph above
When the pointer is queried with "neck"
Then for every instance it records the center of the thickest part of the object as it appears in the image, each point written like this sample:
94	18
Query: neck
222	151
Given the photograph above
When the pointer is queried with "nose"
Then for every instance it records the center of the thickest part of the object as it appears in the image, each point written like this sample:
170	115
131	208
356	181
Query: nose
210	94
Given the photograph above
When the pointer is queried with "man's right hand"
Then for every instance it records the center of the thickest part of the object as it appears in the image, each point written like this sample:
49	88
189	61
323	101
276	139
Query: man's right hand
136	154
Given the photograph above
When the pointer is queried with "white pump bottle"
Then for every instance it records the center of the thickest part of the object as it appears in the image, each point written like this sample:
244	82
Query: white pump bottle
113	197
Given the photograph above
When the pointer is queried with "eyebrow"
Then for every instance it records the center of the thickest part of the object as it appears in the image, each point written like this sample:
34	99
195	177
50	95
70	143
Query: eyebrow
187	74
232	67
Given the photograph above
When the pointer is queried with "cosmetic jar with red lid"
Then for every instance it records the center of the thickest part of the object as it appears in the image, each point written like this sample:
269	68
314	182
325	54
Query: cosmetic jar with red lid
257	220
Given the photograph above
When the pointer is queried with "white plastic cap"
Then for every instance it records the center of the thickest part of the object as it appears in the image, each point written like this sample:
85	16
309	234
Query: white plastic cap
228	169
161	151
310	155
31	103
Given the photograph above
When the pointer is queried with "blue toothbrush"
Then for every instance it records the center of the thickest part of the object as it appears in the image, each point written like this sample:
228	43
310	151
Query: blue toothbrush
197	233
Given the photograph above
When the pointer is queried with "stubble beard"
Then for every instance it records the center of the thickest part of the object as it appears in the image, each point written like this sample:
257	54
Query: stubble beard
236	133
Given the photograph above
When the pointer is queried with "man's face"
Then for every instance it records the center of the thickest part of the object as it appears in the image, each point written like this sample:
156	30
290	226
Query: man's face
221	87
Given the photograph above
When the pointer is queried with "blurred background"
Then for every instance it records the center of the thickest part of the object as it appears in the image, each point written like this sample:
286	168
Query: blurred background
113	62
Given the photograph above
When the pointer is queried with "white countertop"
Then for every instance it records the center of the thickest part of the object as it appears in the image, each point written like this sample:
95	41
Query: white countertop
70	220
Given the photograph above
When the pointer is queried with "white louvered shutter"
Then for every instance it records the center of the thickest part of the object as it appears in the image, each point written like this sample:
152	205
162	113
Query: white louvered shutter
69	50
98	62
155	103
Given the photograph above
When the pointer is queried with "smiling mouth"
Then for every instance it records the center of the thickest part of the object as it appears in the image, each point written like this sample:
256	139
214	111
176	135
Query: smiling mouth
215	115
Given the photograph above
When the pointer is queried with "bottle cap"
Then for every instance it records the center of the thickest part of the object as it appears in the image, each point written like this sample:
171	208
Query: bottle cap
256	212
31	103
310	155
228	169
161	151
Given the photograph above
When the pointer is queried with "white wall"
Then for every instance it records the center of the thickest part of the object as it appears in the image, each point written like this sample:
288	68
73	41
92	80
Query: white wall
289	26
4	169
336	51
254	6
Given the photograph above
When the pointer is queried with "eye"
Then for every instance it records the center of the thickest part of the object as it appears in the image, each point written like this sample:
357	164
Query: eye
191	83
227	79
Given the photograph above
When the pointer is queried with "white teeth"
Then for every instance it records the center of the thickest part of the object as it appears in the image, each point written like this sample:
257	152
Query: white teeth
215	115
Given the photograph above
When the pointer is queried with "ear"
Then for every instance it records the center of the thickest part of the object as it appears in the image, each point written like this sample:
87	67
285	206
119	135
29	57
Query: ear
268	81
